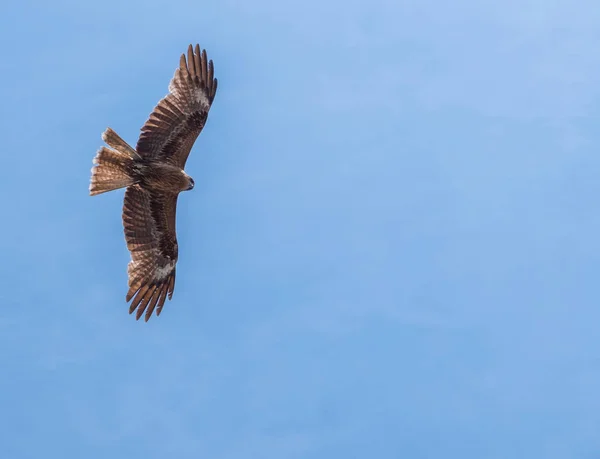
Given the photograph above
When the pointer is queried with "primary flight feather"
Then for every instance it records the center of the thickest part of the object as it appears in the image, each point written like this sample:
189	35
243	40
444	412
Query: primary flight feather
154	175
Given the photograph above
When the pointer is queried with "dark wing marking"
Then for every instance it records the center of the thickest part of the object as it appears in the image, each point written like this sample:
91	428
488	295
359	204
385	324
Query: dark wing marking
177	120
149	223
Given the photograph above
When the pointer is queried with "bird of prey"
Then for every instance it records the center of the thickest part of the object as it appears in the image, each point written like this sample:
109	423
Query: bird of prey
154	175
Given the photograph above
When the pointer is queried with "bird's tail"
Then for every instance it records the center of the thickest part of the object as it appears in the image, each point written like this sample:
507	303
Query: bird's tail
113	167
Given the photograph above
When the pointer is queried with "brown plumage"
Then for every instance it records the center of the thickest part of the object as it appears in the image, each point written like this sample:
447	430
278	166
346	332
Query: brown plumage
154	177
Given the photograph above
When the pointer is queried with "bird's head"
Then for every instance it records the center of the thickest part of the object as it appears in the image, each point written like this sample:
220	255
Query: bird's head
190	184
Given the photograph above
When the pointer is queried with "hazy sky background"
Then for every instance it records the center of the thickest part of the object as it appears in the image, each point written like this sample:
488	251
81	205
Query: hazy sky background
392	250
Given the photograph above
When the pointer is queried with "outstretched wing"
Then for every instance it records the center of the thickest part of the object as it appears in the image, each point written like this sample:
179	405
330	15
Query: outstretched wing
178	119
149	222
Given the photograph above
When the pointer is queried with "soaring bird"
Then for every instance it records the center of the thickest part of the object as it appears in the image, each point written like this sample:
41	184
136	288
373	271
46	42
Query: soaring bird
154	175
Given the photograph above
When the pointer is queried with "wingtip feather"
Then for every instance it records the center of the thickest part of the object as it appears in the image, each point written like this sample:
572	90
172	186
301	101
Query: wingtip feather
190	58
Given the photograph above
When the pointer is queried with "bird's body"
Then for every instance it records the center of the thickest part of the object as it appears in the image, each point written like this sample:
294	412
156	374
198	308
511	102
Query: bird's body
162	177
154	175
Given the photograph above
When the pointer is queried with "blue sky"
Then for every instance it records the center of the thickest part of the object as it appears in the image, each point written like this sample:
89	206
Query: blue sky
391	250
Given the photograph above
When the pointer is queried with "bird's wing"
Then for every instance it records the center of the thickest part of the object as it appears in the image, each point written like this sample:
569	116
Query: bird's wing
178	119
149	223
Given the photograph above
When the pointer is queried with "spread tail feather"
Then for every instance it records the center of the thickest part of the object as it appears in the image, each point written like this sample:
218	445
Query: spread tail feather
113	140
113	167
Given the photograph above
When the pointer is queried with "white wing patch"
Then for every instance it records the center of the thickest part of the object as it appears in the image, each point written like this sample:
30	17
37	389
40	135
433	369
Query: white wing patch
164	271
200	97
